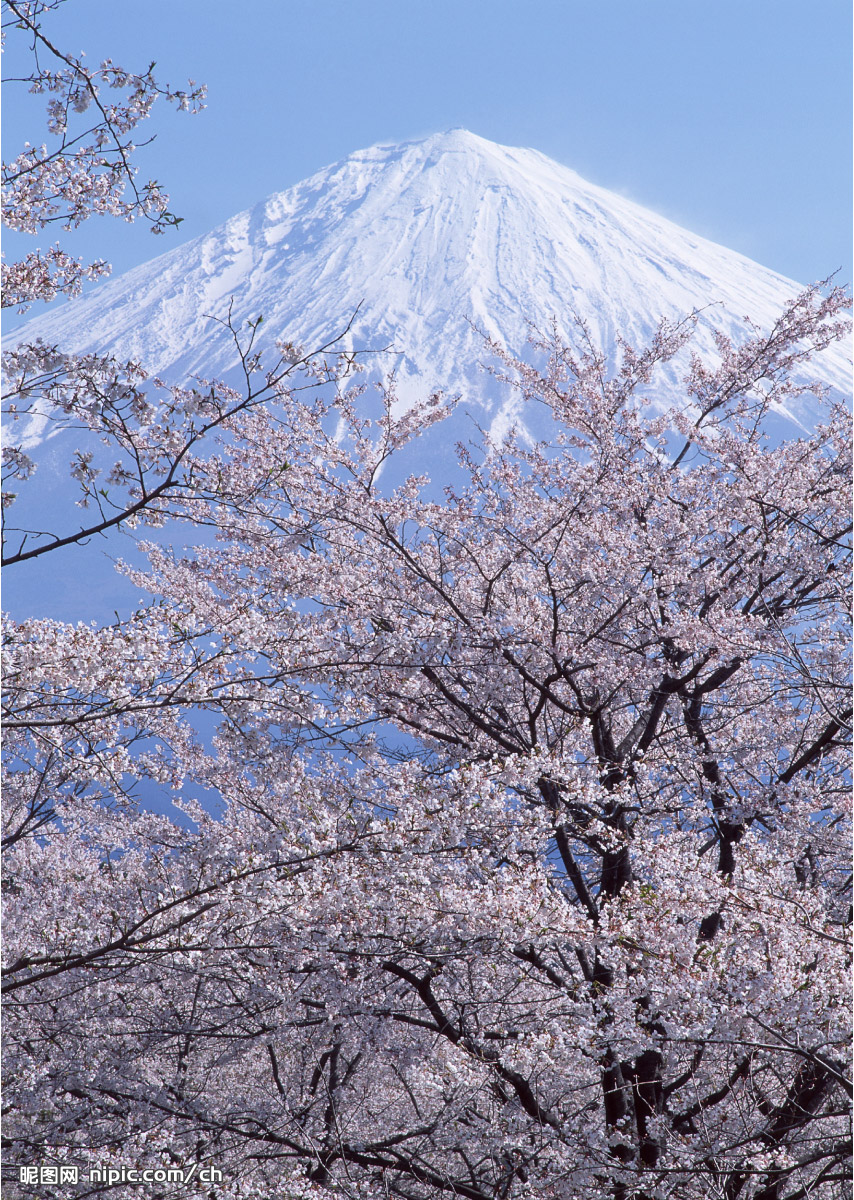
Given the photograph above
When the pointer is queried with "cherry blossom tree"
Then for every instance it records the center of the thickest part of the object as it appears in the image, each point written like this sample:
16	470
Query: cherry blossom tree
530	871
508	844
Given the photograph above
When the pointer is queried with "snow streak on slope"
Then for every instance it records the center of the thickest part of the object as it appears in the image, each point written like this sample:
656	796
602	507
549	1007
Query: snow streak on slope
426	237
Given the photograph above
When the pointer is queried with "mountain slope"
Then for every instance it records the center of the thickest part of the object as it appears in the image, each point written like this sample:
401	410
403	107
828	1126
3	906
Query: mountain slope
425	238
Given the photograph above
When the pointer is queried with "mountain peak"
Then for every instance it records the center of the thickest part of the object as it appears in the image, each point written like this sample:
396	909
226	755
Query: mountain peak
448	141
425	238
457	138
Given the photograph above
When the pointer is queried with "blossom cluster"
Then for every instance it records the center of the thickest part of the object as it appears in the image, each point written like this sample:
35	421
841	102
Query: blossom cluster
87	167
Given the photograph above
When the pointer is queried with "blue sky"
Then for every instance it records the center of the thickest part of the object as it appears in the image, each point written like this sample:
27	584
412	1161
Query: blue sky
730	117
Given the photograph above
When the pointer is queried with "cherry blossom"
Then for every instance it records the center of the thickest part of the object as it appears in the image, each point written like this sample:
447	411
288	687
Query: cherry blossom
87	167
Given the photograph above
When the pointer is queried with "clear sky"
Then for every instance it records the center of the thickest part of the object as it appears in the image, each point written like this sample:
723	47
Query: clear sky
730	117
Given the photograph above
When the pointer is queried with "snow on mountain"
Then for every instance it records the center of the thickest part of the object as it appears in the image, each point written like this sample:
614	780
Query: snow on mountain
426	239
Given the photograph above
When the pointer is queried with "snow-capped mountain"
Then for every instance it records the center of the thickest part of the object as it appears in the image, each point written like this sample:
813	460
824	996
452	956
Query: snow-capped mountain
431	241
